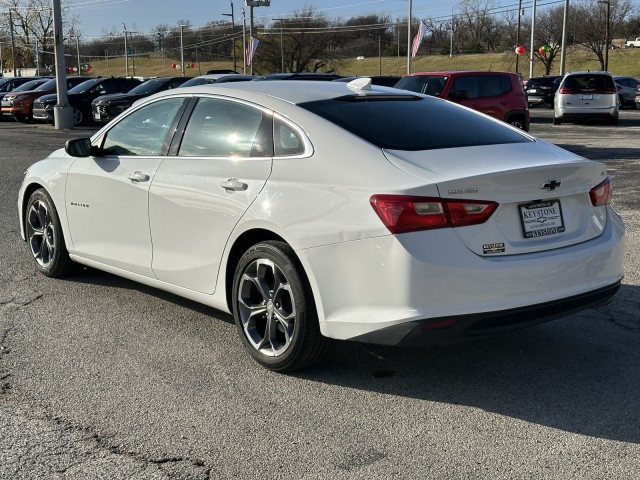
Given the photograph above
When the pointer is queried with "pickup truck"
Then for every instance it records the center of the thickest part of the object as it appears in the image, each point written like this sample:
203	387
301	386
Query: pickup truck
632	43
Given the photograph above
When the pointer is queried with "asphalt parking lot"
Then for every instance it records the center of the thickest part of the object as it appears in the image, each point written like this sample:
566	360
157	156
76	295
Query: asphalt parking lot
104	378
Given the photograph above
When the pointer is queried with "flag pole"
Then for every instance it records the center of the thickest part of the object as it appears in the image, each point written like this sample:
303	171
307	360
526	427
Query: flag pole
409	39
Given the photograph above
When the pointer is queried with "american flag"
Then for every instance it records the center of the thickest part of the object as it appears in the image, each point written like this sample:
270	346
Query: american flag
422	31
251	49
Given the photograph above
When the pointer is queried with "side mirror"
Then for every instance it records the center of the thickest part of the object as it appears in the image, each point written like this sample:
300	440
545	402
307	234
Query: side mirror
81	147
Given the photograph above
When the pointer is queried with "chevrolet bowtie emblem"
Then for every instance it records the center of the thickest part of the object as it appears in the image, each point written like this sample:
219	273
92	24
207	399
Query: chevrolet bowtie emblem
550	185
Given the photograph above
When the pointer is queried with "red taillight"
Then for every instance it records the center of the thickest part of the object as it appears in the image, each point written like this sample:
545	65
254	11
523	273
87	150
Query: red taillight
401	213
601	193
568	90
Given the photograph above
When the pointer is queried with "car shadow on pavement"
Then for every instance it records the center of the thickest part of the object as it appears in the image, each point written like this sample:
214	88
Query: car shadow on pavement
578	374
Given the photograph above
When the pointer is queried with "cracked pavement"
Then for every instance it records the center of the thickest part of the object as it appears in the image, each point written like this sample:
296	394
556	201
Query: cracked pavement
104	378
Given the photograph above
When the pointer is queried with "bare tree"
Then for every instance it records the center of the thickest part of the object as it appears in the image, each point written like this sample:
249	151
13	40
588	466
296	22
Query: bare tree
33	24
308	44
549	32
589	20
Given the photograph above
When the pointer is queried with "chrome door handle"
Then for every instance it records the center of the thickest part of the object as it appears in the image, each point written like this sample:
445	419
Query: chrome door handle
233	184
138	177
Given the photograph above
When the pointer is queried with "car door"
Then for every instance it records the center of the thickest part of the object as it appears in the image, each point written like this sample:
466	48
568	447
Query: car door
107	196
198	195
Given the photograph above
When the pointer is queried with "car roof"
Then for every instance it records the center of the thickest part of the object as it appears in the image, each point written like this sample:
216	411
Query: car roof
291	92
462	72
588	72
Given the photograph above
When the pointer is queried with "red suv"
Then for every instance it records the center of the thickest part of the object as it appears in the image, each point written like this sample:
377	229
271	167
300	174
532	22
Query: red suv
498	94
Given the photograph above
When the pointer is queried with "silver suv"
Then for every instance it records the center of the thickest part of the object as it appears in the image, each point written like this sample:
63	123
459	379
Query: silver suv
586	95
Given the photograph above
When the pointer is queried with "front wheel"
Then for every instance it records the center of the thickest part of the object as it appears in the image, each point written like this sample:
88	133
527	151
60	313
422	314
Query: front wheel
274	309
44	235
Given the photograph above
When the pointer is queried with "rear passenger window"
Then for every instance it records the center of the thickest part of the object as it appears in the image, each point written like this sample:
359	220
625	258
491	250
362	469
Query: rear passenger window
287	141
220	128
494	85
466	87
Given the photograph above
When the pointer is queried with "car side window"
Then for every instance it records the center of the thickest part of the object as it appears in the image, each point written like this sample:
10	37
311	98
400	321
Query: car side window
287	142
466	86
222	128
143	132
493	85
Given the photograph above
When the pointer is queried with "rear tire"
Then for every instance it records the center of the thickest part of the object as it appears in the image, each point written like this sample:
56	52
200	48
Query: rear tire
557	121
274	310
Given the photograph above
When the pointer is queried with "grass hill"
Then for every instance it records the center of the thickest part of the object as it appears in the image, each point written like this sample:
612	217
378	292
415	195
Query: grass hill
621	62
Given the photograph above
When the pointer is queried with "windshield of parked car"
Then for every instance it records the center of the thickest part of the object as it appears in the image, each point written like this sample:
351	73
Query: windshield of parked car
198	81
588	82
48	85
150	86
28	86
85	86
411	122
427	84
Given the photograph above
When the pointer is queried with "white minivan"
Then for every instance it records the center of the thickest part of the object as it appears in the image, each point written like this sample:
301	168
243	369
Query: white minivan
586	95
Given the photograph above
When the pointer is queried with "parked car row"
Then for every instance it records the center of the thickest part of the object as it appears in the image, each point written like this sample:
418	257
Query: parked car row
501	95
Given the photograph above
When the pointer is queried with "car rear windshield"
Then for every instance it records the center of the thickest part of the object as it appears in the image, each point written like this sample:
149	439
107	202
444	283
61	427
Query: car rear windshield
409	122
589	82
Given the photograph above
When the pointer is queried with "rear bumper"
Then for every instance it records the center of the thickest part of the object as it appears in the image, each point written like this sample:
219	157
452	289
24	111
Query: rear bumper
454	329
396	283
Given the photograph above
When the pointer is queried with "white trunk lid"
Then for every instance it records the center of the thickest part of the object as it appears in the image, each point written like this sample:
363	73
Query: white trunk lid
542	192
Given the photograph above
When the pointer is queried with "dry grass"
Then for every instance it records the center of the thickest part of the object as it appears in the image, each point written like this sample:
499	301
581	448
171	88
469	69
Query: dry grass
621	62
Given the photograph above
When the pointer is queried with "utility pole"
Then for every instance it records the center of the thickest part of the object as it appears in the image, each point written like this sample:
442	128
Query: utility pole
606	34
182	49
233	40
13	46
281	44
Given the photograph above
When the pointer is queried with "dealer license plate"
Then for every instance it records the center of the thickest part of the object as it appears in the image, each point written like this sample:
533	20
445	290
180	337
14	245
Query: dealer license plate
587	97
540	219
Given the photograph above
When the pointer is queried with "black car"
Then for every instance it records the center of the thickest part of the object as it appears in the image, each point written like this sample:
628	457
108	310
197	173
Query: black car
217	78
382	80
541	90
299	76
81	96
107	107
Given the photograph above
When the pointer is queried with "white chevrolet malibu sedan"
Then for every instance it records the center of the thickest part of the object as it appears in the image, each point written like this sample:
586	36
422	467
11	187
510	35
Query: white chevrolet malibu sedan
327	210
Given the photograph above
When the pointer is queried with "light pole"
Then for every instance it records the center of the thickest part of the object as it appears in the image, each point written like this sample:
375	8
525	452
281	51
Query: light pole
379	55
62	111
126	52
563	48
409	39
244	41
233	40
606	34
78	53
518	33
533	34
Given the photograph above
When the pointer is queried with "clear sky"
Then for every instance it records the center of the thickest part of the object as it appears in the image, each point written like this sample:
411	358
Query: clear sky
100	16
